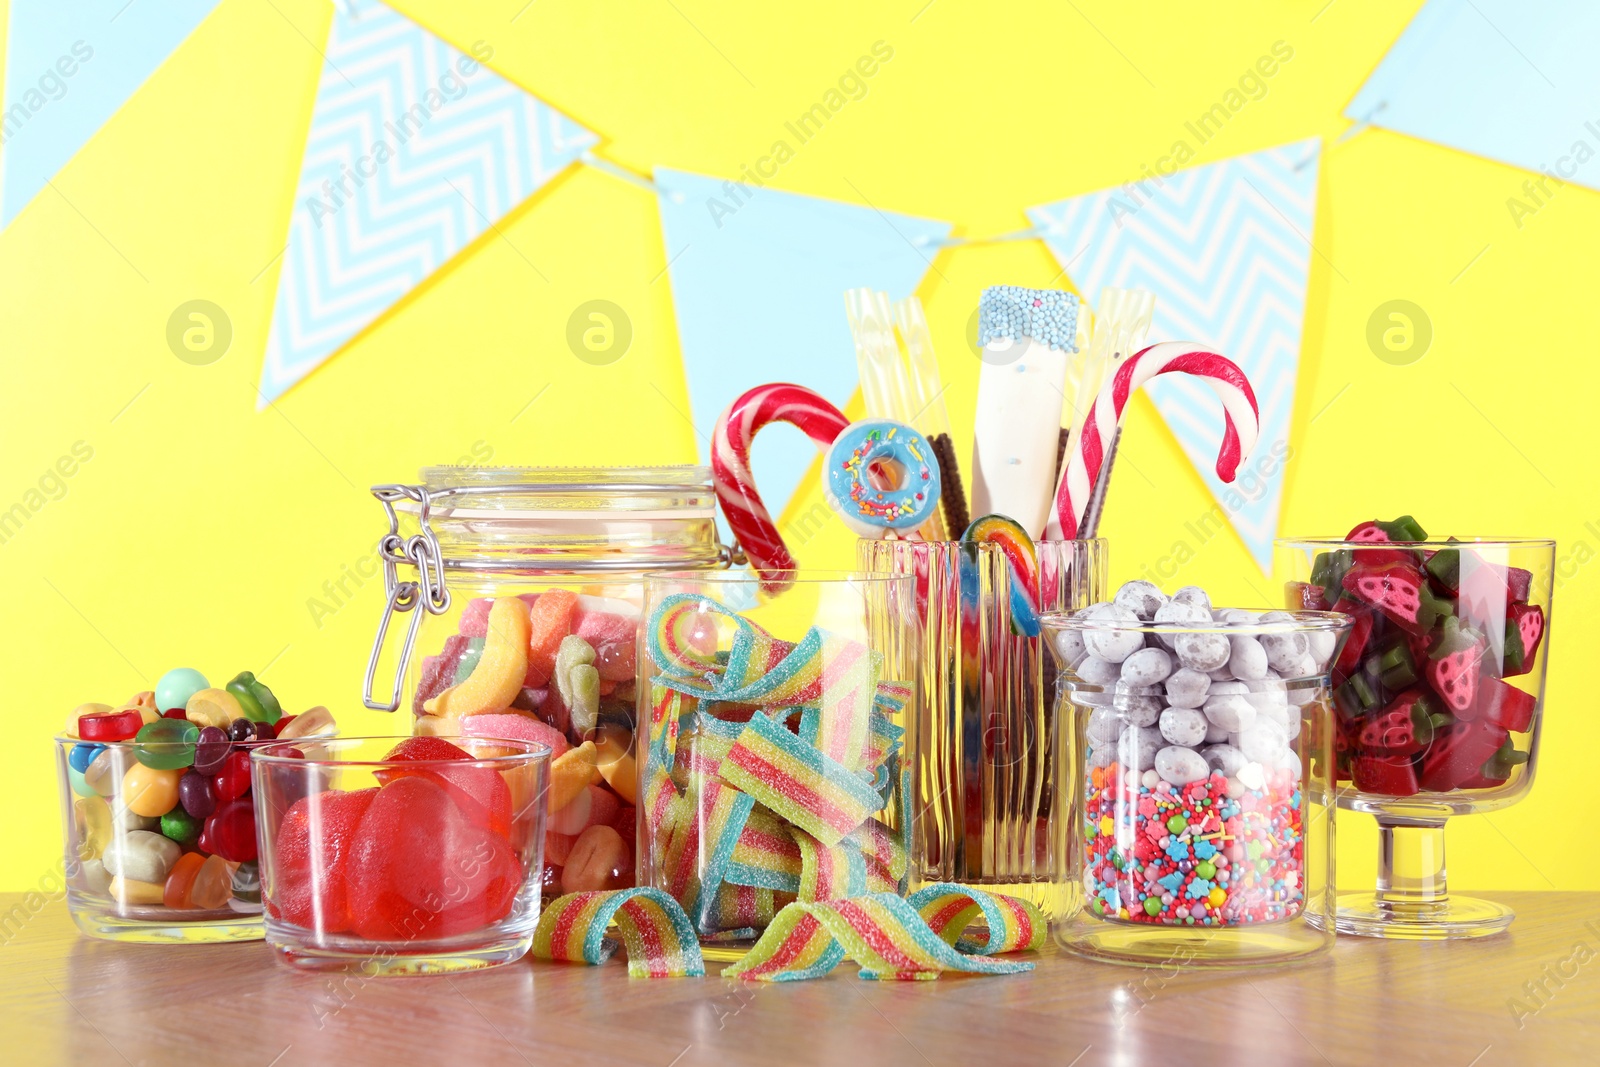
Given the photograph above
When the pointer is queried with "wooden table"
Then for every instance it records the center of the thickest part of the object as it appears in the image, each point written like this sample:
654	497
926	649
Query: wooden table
66	998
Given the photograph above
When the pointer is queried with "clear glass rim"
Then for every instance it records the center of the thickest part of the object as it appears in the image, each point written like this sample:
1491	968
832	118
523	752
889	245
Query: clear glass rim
1303	622
802	576
531	752
163	746
1460	542
667	477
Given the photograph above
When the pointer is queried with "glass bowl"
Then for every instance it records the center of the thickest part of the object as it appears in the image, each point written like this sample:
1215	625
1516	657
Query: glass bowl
393	855
1439	702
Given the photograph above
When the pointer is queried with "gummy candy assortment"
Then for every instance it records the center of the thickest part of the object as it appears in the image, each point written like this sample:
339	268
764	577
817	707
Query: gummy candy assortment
773	770
557	668
163	822
436	850
1425	686
1193	807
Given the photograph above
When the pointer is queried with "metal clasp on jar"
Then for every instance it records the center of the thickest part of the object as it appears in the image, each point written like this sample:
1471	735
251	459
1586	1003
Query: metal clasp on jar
420	550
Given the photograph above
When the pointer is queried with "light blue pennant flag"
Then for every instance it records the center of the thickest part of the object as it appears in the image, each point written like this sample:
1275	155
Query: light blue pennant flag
70	64
415	150
758	284
1226	249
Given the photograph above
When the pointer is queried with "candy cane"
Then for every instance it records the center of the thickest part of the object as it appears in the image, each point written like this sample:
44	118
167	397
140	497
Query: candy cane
1084	465
747	516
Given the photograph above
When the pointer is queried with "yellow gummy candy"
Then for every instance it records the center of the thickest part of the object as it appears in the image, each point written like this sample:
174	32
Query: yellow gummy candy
497	678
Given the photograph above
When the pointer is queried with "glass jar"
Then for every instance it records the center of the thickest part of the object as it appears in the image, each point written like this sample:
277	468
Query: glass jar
530	585
782	738
993	768
1203	806
1439	703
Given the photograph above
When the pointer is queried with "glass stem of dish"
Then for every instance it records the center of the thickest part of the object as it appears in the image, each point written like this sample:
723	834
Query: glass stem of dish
1411	870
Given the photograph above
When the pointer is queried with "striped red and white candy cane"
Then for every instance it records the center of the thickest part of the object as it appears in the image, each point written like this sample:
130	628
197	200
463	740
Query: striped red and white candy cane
1242	421
736	430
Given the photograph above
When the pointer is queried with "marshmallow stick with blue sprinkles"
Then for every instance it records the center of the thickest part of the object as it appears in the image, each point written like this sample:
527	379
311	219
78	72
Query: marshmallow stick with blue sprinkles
1027	335
882	479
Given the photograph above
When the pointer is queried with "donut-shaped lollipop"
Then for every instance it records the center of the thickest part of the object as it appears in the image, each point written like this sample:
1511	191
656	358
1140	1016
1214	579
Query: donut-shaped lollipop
882	478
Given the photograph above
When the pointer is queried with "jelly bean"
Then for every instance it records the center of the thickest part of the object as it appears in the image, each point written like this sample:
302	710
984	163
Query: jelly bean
258	701
109	725
1137	746
1247	658
282	724
233	780
166	744
265	731
211	748
141	856
196	795
150	791
125	891
91	817
177	686
231	831
1201	651
213	884
1138	710
574	771
79	784
214	707
1146	667
313	723
71	729
180	826
1180	766
600	859
176	893
81	756
1187	688
1193	594
241	730
92	878
1183	726
123	820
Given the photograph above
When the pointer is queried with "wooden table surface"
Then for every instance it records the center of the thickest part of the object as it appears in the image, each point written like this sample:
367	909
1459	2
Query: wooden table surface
67	998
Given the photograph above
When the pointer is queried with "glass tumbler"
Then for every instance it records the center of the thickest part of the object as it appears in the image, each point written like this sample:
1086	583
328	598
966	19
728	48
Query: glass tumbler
392	855
1439	697
993	775
1203	804
781	741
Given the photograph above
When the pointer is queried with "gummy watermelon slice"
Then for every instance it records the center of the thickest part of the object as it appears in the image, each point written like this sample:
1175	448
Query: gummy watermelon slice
1524	631
1504	705
1457	754
1362	621
1398	590
1453	667
1303	596
1390	776
1401	729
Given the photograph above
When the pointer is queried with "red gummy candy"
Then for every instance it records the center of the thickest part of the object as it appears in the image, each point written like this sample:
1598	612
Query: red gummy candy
231	831
1452	668
1393	732
109	725
1392	776
421	869
1303	596
1398	590
439	672
1505	706
480	792
1362	621
1457	752
310	885
233	780
1525	627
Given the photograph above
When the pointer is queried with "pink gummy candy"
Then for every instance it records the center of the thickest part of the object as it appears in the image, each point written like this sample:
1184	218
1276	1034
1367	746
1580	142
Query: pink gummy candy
439	672
515	728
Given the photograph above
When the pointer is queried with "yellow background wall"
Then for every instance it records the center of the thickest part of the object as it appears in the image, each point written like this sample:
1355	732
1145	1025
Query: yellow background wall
201	526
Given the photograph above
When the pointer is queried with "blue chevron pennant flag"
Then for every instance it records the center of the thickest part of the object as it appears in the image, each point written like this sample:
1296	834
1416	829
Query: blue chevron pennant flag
70	65
415	150
1506	79
758	284
1226	250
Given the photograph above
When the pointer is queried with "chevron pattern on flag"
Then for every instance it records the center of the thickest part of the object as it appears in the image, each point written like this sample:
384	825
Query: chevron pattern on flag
1226	249
415	150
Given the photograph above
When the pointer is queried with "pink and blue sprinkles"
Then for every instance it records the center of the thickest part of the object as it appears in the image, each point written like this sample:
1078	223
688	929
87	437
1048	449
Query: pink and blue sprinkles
1193	855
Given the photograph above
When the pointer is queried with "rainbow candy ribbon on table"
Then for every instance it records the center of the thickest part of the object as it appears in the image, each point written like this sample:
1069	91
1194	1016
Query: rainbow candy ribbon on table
907	938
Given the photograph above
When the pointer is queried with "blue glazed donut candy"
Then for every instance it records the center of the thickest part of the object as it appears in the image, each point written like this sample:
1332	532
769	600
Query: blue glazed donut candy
900	453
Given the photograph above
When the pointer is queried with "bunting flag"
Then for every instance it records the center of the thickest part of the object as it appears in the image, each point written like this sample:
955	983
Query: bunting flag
758	282
70	64
1226	249
1505	79
415	150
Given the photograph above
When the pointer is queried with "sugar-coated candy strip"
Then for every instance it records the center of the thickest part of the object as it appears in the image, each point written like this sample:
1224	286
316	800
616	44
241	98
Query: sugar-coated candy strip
887	861
1013	925
766	854
880	931
906	826
660	941
667	707
661	798
699	756
829	873
741	908
797	782
702	842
